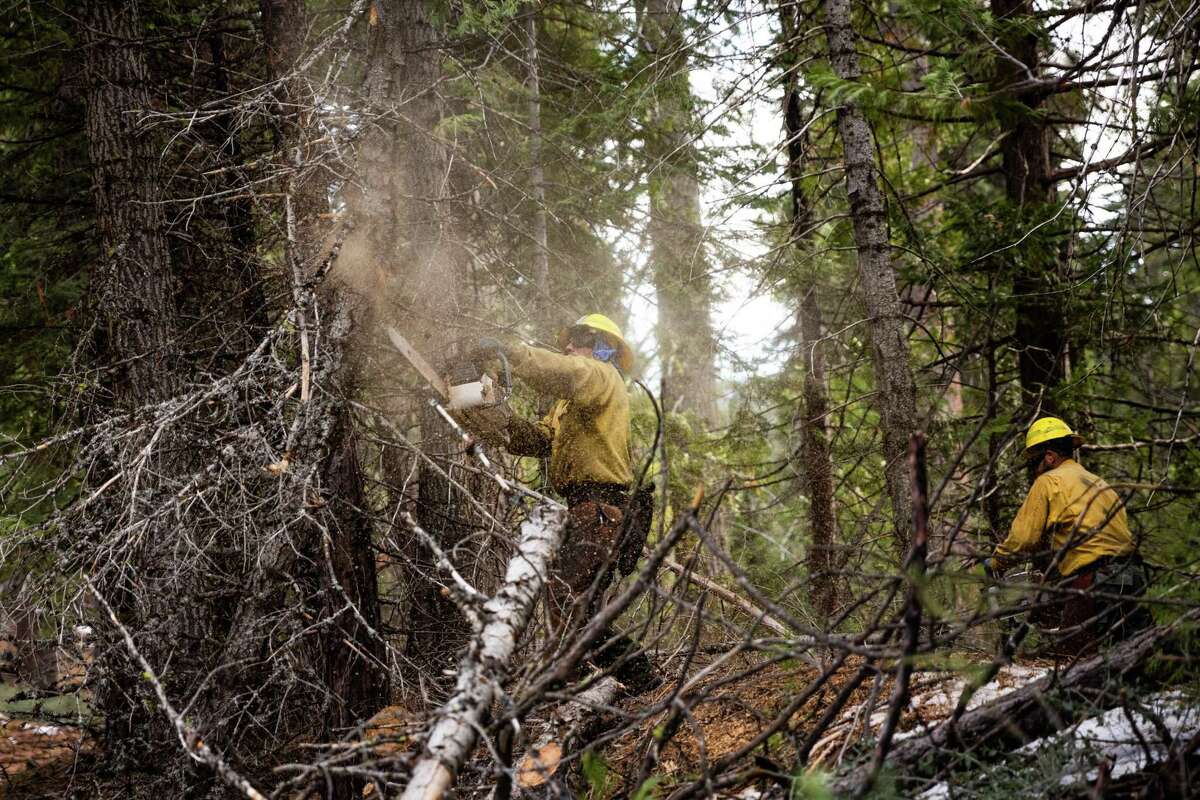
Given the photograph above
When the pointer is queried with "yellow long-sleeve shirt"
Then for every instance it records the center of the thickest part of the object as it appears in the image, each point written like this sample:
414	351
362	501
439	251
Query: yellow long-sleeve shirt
1072	505
586	433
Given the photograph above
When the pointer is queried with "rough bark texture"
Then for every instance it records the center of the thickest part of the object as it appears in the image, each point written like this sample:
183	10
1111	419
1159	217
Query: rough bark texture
813	461
133	285
408	261
682	282
133	294
893	377
1040	325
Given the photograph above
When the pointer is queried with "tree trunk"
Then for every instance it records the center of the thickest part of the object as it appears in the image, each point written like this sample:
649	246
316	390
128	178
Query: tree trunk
813	461
133	293
537	178
1040	327
410	264
133	286
893	378
682	280
241	266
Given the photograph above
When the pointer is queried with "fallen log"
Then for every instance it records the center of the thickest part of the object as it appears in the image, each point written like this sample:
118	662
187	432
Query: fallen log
1022	715
756	613
502	619
562	734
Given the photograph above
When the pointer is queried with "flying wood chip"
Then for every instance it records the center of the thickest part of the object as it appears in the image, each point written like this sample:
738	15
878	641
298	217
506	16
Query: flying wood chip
280	466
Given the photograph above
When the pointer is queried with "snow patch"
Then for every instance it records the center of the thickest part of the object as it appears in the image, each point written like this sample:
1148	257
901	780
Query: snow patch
1114	737
42	730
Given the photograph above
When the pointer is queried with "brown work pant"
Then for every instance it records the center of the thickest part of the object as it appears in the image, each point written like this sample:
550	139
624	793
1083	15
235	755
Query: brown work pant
593	530
1106	610
579	577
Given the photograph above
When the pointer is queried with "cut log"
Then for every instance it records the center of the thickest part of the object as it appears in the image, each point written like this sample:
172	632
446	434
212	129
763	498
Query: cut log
561	736
504	618
1020	716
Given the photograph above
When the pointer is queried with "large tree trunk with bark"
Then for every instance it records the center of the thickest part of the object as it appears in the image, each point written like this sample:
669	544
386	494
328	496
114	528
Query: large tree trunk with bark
893	377
405	255
1040	329
812	458
353	658
133	284
134	339
682	279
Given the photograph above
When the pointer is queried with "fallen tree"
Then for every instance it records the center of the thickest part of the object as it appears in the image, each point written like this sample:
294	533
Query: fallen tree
498	622
1022	715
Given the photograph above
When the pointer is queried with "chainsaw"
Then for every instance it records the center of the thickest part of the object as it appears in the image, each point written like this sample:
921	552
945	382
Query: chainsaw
471	395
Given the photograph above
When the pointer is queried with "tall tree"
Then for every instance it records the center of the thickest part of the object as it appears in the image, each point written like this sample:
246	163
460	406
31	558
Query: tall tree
682	272
537	174
133	286
356	675
134	337
1025	147
895	390
406	242
812	458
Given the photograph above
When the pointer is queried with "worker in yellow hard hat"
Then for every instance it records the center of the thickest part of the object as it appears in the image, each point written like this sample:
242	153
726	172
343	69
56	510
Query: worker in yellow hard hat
586	438
1078	521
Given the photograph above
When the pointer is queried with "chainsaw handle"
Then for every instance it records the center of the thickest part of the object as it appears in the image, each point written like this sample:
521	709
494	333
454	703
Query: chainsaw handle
507	373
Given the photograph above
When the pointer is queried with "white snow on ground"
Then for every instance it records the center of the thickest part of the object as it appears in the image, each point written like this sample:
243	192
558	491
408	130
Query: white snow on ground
933	702
939	703
1113	737
939	792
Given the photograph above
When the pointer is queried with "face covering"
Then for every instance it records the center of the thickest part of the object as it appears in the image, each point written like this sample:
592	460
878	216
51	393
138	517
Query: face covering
603	351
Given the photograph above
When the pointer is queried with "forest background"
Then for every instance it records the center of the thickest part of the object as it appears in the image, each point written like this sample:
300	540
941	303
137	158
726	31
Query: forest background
966	214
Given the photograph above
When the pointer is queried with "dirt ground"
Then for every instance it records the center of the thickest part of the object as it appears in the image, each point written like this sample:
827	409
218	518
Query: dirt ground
36	755
726	712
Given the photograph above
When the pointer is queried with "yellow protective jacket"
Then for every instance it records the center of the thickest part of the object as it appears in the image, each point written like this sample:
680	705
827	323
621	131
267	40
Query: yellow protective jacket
586	433
1071	505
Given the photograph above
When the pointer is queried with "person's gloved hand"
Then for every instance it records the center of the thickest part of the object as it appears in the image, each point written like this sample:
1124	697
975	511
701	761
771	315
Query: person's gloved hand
989	567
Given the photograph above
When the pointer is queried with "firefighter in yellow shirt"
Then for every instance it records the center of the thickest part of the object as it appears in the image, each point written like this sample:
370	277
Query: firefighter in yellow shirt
585	436
1079	521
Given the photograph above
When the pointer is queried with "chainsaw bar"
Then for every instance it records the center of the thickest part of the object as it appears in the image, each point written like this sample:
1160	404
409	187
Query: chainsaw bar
418	361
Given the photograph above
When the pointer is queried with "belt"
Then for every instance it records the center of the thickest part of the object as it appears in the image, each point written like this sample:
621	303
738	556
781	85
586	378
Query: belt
1105	561
615	494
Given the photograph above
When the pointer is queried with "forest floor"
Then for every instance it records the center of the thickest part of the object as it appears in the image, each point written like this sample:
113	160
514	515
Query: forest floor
36	748
728	709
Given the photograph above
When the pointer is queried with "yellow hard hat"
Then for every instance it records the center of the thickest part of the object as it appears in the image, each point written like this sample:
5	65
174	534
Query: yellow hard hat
1047	429
602	324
